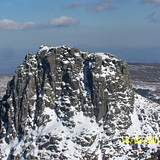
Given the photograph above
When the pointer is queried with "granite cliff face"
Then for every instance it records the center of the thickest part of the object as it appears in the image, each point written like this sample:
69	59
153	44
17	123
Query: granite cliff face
68	104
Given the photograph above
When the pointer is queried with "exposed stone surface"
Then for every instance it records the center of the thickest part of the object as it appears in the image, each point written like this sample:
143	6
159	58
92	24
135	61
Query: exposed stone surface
58	88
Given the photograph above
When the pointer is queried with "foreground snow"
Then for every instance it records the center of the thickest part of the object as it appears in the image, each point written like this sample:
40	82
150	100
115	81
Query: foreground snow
69	140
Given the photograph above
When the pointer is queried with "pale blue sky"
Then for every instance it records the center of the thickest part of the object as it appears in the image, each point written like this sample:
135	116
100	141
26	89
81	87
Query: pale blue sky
129	29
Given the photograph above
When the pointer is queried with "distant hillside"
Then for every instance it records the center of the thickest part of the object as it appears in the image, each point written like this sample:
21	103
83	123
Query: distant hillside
146	79
3	83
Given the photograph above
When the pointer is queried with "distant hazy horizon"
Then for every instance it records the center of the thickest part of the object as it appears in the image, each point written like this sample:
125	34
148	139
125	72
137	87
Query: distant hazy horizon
11	58
128	29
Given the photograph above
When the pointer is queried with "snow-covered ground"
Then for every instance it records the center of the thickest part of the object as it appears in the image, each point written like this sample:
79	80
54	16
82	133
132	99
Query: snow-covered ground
68	141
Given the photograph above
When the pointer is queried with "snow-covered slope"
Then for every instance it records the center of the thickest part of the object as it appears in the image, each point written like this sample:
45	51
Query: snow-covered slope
54	140
64	103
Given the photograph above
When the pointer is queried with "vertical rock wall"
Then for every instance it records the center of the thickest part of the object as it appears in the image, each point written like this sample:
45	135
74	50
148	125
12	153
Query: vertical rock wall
67	81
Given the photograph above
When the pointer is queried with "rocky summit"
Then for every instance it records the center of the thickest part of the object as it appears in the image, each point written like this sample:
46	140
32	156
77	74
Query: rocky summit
67	104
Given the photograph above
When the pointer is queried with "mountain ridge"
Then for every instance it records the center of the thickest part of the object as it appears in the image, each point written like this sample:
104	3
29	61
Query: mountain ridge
71	90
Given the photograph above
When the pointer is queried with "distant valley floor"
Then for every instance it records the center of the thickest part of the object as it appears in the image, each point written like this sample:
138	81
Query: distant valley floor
146	79
4	79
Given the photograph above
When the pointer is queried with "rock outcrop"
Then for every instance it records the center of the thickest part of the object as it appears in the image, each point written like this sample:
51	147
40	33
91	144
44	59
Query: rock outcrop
68	104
